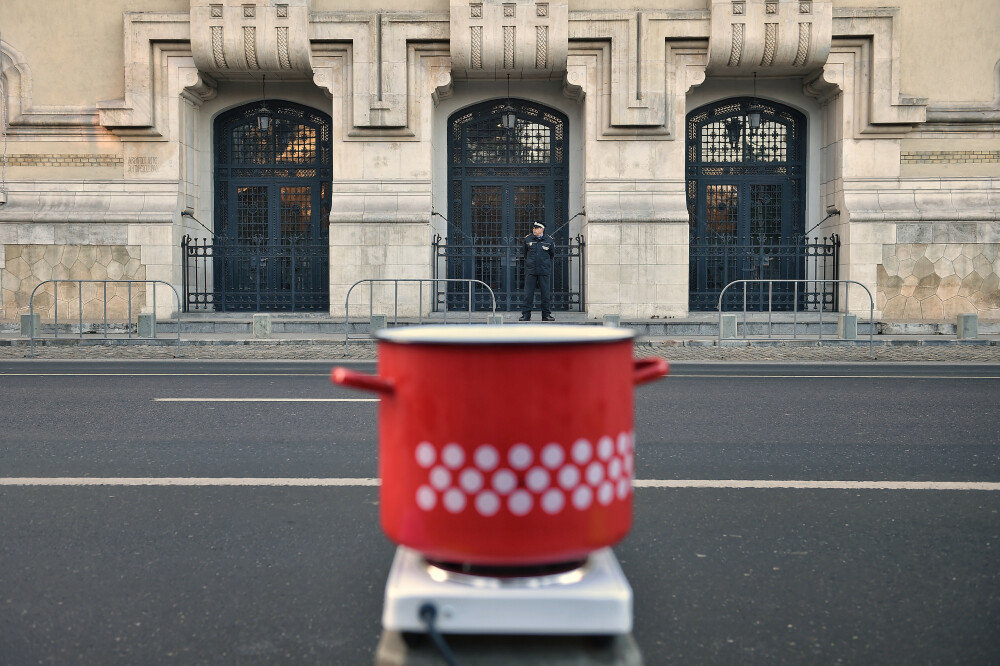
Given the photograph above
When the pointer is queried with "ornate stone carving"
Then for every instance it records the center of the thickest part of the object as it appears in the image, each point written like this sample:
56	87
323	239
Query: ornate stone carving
378	52
643	64
771	38
234	37
494	38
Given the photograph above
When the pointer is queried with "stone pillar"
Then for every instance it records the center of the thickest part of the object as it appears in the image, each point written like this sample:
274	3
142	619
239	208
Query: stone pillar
31	325
262	326
968	326
147	325
727	326
847	327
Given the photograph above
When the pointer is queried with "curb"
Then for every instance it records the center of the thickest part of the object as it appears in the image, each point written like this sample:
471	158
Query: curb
647	342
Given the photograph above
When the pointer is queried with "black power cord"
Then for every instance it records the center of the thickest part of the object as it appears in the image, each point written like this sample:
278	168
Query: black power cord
428	615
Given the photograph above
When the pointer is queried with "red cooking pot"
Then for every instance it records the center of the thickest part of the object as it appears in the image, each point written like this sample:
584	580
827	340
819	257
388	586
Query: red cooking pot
506	445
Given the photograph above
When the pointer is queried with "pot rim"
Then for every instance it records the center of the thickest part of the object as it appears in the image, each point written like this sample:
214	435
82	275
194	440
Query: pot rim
481	334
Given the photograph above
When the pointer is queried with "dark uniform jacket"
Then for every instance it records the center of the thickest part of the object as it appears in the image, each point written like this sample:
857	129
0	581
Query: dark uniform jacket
538	254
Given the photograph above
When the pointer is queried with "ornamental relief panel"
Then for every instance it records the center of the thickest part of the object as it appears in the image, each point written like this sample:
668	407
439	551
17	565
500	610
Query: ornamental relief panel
240	36
770	37
491	39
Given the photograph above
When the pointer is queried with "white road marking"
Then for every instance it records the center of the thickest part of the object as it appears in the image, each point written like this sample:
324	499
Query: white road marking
164	374
183	481
818	485
707	376
265	399
677	374
639	483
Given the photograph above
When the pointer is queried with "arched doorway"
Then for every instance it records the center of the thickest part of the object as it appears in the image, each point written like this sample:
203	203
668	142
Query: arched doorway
502	176
746	160
272	209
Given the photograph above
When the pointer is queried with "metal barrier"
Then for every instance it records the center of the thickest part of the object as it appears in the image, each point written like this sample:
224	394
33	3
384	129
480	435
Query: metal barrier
795	291
80	283
500	263
395	317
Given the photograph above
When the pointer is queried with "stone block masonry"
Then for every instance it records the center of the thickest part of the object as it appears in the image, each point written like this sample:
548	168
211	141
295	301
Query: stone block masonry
27	266
939	281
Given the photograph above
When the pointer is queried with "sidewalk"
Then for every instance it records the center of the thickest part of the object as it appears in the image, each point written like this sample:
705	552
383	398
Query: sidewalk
917	347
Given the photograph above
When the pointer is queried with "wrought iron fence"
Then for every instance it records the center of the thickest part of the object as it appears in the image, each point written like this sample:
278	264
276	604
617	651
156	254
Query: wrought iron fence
222	274
803	270
499	262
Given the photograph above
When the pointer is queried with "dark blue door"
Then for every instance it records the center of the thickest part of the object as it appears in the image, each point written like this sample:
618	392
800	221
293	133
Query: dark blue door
272	209
745	186
501	180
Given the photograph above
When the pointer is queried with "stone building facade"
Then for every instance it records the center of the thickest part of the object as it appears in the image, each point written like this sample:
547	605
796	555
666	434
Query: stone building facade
647	131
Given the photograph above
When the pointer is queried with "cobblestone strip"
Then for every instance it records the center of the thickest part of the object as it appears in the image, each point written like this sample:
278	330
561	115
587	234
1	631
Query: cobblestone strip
833	354
962	353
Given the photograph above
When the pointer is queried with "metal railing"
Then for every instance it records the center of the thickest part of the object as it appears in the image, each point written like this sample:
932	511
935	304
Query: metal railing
420	299
795	290
499	262
80	282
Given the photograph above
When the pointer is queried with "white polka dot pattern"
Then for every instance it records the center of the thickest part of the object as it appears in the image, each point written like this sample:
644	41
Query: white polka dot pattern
560	478
426	455
453	456
486	457
471	480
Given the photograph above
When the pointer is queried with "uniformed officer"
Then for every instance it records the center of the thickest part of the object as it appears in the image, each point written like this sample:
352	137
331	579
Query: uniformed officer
539	250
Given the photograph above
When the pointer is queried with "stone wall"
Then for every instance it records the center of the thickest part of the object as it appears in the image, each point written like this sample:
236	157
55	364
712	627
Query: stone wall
27	266
636	270
936	281
380	251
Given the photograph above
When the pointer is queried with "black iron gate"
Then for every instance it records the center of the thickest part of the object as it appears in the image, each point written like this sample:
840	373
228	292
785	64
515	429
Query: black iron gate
501	265
720	259
225	275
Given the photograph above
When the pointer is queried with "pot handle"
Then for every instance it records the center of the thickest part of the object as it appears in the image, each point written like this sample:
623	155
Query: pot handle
360	380
648	369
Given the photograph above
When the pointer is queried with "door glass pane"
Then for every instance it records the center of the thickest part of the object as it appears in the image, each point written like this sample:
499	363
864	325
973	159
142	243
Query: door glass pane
533	143
251	213
487	212
765	213
295	214
487	229
294	143
529	206
721	210
249	145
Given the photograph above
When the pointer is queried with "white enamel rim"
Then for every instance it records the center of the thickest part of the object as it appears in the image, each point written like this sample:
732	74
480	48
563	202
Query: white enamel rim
481	334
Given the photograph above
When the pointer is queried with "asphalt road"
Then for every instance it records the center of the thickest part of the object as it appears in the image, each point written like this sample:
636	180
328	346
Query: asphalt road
262	574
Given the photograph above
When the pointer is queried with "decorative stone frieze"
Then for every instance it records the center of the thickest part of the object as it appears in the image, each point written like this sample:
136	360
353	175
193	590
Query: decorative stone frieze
381	55
62	160
24	118
491	39
150	39
949	156
233	36
645	62
769	37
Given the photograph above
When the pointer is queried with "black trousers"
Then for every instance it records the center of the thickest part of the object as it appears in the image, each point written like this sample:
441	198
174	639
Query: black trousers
544	283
